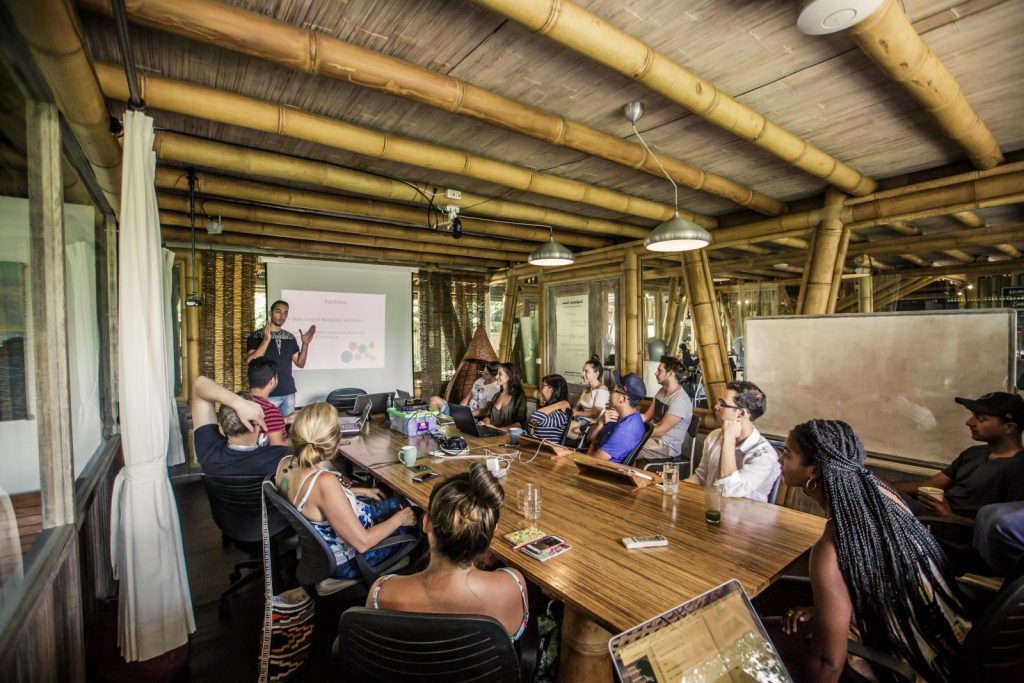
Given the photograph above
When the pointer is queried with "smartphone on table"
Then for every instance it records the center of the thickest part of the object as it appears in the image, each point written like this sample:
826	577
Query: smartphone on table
424	476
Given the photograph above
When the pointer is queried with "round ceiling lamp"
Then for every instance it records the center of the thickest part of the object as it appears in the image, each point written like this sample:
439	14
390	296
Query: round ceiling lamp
551	253
821	17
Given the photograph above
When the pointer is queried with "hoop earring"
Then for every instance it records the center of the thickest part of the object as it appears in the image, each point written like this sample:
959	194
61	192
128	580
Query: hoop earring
808	488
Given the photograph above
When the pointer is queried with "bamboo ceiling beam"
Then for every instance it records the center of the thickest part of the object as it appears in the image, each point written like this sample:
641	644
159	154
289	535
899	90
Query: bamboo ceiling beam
181	97
916	260
590	35
283	244
314	53
945	241
184	150
959	255
969	218
211	184
54	38
1006	266
890	41
340	230
1009	249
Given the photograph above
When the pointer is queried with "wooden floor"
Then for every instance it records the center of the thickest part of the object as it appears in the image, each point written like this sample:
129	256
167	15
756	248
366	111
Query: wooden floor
228	650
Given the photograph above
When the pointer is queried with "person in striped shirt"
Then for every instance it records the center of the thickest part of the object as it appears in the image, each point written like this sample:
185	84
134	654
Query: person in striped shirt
548	422
262	373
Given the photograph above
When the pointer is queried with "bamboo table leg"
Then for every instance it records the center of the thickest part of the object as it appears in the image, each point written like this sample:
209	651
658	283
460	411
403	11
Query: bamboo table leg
584	654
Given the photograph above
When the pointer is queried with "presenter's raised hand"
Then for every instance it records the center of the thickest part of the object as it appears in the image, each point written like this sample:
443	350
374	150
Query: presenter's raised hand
270	328
307	336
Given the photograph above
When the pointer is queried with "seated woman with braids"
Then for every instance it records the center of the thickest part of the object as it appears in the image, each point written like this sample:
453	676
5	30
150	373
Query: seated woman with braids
349	525
875	569
460	521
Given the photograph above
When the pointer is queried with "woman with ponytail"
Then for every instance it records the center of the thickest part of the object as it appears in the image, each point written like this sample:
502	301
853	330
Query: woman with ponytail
876	567
460	522
349	525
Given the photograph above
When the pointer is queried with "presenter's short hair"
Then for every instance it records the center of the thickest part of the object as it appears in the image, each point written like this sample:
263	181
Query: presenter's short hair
750	397
279	301
260	371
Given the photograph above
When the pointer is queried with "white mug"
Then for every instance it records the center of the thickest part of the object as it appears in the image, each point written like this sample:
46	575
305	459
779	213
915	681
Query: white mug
408	455
494	466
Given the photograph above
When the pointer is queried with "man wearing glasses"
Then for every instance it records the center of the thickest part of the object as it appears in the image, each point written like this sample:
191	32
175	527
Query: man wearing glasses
737	459
621	426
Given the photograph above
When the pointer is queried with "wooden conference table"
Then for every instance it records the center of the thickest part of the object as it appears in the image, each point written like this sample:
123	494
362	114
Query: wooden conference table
604	585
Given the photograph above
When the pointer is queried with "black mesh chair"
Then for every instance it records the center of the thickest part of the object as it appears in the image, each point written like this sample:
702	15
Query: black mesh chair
344	400
316	560
631	457
568	424
686	461
381	645
236	509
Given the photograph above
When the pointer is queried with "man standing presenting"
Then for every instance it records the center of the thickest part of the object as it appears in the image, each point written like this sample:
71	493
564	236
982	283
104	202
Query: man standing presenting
670	412
280	346
737	459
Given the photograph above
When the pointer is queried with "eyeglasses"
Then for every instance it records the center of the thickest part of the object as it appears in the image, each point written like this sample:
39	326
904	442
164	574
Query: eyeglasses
723	404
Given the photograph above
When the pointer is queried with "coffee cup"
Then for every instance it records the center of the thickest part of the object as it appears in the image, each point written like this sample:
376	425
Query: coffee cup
932	492
513	435
408	455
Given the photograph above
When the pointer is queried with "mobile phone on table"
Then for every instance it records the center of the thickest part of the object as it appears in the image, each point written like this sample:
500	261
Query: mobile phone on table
420	468
424	476
546	543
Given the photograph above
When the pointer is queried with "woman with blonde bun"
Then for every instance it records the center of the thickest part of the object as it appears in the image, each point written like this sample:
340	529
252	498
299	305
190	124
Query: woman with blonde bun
460	522
349	525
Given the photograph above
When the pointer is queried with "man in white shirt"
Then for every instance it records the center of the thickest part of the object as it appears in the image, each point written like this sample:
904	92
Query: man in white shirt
480	396
670	412
737	459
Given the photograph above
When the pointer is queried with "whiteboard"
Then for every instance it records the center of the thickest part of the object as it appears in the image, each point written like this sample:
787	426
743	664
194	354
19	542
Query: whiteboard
891	376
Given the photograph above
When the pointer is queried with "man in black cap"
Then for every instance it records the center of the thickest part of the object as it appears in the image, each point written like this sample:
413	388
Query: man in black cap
621	426
981	475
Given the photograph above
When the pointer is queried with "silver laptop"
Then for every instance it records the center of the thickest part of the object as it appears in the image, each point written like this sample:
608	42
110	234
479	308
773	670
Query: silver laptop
351	426
378	403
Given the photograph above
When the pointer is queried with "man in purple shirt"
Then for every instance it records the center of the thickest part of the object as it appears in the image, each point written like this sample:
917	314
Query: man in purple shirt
621	426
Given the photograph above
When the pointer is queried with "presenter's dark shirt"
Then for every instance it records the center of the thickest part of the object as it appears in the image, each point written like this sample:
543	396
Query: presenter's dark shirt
281	348
978	481
215	457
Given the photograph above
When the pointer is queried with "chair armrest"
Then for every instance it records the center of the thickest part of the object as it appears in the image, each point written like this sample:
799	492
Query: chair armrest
897	666
371	572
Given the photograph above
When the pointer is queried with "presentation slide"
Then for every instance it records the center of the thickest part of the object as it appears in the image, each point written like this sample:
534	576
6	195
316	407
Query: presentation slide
349	328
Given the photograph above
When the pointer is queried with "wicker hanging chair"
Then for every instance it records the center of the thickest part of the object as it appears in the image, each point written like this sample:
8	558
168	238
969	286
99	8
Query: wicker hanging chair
479	354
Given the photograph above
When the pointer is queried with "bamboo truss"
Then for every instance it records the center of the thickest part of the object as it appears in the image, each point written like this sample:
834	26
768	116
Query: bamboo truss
825	260
700	291
305	50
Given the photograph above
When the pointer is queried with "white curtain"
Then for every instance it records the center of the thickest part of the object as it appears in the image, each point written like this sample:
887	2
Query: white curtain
175	448
155	607
83	352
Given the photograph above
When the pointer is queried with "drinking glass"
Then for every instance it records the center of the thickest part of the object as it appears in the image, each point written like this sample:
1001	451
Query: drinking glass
670	478
528	499
712	505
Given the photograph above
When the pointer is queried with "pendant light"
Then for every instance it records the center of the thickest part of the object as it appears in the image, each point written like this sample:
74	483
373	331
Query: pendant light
677	233
551	253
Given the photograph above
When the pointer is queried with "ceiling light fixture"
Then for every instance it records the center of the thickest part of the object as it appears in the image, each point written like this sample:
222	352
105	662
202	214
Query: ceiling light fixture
677	233
821	17
551	253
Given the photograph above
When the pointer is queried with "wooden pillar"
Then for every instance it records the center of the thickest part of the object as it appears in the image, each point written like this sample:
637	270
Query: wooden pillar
825	257
707	329
193	269
508	317
106	276
631	356
728	322
584	650
865	294
49	313
670	324
542	328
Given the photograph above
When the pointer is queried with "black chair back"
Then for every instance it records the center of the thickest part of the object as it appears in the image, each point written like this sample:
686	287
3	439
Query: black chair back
631	458
993	651
237	510
381	645
568	423
316	559
344	400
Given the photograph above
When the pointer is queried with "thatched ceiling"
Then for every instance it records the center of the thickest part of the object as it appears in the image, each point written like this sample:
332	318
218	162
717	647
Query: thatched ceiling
823	89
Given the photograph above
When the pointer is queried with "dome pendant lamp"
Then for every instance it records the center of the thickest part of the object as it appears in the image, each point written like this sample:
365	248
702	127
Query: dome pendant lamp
677	233
551	253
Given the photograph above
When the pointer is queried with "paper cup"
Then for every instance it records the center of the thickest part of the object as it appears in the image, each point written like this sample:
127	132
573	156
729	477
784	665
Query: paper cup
932	492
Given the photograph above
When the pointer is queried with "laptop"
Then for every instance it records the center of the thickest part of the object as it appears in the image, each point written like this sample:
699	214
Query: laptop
350	426
378	403
467	424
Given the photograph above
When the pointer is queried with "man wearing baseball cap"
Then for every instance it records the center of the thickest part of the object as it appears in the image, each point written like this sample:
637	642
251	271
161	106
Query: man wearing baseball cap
621	426
981	475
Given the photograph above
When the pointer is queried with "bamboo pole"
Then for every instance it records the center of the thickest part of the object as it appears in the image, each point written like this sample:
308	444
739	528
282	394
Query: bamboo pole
970	219
959	255
934	183
825	259
176	234
671	310
987	236
632	291
51	31
340	230
508	317
193	267
883	302
181	97
890	41
707	331
865	294
305	50
542	329
209	184
590	35
185	150
1009	249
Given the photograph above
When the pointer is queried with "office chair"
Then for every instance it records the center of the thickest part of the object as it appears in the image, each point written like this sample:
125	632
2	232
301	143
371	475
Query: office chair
382	645
692	430
568	423
344	400
236	509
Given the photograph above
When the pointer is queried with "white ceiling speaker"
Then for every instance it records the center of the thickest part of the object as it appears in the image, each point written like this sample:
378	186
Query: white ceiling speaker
821	17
